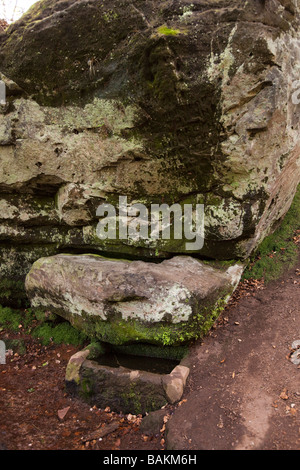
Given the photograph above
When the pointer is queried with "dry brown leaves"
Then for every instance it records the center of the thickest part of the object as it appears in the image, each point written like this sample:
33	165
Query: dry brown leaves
3	25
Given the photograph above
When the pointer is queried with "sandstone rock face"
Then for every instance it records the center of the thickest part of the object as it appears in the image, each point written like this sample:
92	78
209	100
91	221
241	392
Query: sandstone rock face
173	102
123	302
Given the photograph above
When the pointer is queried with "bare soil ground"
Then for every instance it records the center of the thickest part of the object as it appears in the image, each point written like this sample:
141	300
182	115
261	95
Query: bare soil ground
36	413
243	391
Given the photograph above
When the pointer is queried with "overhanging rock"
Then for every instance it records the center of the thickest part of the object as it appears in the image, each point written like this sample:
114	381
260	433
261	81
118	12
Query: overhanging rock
167	101
122	302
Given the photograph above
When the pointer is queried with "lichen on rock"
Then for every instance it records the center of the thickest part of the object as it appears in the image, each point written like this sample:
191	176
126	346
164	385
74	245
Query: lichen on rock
121	302
163	102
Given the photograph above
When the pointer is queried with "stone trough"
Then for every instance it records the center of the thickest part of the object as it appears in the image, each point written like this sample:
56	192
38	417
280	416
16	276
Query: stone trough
123	389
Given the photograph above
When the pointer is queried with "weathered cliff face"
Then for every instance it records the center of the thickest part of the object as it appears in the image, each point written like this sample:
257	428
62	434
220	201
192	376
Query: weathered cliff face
173	102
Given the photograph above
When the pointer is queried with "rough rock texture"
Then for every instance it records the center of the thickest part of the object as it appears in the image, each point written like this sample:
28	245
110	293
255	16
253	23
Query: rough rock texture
122	389
121	302
172	101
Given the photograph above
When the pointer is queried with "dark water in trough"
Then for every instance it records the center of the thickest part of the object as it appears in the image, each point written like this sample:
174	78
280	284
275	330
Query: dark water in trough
148	364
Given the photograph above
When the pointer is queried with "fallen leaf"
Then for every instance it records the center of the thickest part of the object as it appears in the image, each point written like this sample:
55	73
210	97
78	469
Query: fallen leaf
163	428
182	401
220	423
62	413
284	395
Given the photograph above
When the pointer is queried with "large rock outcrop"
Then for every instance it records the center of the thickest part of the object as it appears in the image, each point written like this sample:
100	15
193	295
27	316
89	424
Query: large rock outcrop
173	102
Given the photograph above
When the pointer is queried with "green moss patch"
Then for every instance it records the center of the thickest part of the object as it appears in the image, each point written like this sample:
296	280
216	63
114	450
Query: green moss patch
168	31
278	252
41	326
17	345
63	333
11	319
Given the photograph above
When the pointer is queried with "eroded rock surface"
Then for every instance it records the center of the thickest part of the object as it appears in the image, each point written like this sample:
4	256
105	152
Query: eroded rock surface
173	102
122	302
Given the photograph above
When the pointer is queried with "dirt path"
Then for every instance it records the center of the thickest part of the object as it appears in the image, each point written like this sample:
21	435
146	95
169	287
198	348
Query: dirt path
36	413
243	391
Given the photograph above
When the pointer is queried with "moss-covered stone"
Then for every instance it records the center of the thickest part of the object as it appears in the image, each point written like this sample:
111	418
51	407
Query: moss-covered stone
122	390
96	349
120	302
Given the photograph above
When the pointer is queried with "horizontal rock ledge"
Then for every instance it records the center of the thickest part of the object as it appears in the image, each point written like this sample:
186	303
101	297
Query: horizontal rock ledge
159	101
124	302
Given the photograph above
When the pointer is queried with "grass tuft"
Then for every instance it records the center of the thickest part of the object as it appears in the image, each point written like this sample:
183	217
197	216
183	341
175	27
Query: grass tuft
278	252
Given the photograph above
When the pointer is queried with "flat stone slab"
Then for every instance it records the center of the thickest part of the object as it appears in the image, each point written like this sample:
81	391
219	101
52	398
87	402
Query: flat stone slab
123	302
